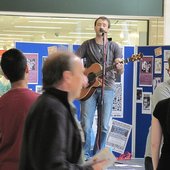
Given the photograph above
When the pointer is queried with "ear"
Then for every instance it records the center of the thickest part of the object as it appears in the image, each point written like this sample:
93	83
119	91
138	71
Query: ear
67	76
27	69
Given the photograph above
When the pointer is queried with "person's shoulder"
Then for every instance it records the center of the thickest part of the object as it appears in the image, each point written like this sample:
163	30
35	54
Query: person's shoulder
25	93
5	95
89	41
162	86
85	45
114	43
52	102
27	90
164	102
34	93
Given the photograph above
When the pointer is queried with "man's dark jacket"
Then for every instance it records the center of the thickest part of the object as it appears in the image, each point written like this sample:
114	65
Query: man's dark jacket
51	138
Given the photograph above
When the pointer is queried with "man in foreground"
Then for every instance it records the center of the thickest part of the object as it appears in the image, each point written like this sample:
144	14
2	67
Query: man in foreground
53	137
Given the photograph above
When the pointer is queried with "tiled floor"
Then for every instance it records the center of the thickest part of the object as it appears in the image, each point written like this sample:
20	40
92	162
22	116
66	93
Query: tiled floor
133	164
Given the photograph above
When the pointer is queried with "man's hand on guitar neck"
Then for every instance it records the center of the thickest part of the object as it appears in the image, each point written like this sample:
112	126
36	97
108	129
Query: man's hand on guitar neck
119	66
99	80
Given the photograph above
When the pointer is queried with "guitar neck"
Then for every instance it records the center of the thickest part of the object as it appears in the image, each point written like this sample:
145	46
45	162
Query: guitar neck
107	69
111	67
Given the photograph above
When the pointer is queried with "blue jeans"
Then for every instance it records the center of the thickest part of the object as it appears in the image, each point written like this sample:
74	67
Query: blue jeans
88	109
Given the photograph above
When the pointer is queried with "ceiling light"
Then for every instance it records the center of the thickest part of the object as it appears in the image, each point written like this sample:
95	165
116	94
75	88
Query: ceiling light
90	29
2	41
36	27
53	22
63	36
16	35
81	33
10	38
127	24
57	39
53	18
16	31
111	29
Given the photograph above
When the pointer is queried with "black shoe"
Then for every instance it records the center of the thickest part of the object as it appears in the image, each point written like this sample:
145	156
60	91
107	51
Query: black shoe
148	163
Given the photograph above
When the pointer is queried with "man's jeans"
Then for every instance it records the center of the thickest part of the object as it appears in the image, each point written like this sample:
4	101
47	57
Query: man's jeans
88	109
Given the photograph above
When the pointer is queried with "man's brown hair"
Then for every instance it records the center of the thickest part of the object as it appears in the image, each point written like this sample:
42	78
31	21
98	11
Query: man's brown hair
102	18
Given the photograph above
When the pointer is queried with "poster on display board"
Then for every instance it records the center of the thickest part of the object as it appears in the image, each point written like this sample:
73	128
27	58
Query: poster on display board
158	66
146	102
32	60
166	55
156	82
38	89
118	136
158	51
166	75
146	71
139	95
117	111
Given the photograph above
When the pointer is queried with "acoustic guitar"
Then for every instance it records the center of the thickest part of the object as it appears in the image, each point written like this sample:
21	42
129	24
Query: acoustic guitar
95	70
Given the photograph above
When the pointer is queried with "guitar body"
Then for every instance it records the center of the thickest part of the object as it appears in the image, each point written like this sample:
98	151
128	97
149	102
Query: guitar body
95	70
93	84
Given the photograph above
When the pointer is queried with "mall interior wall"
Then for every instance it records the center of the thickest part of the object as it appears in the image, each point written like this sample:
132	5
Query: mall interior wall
97	7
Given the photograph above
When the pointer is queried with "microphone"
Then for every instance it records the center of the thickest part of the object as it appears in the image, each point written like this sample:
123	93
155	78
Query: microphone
102	30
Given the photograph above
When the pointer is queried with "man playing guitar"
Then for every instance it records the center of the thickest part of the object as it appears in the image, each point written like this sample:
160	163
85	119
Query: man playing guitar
99	50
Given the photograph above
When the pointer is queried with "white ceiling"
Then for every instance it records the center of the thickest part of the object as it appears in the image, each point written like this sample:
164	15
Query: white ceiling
65	30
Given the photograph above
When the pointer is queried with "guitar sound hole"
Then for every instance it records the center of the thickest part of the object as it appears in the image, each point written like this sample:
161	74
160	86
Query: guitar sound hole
91	78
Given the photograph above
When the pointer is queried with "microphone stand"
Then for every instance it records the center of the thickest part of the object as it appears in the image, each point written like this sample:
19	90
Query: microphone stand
101	101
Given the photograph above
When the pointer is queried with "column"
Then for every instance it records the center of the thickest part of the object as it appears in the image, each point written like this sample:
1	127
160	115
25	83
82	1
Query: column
166	22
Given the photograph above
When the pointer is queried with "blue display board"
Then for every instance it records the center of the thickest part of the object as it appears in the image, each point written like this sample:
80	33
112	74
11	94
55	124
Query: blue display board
143	121
42	50
127	93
